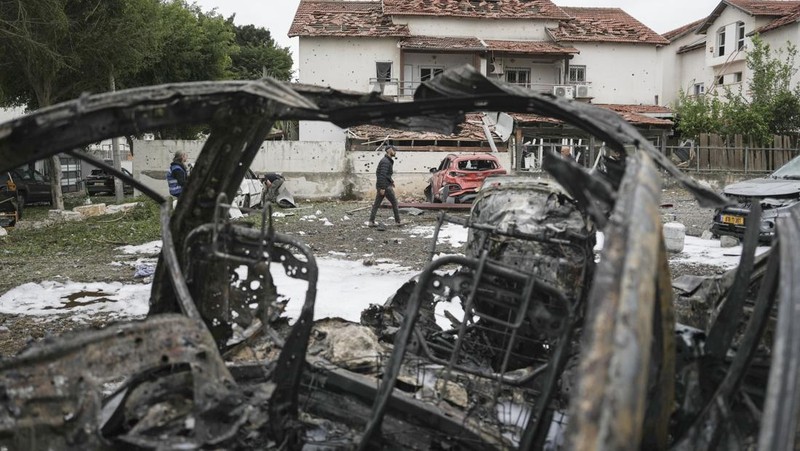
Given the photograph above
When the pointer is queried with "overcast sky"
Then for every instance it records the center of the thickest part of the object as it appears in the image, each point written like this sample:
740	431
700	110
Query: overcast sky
277	15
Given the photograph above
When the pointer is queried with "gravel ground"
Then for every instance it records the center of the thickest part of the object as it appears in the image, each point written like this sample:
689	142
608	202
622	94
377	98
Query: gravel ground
335	228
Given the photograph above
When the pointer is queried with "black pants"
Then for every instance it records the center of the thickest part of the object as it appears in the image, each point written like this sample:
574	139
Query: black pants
272	191
389	194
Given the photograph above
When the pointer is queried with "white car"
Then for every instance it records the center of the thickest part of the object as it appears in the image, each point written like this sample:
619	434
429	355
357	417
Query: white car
249	193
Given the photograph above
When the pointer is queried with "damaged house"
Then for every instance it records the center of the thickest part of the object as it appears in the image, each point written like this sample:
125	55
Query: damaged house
554	348
393	46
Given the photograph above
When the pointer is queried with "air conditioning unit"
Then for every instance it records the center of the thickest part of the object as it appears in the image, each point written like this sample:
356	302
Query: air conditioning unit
583	91
567	91
496	67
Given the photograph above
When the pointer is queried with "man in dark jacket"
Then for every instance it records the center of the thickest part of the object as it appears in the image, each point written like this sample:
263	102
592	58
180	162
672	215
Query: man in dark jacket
385	186
177	174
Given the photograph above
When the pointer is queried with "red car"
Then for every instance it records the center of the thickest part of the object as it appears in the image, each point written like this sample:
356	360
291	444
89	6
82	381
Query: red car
458	177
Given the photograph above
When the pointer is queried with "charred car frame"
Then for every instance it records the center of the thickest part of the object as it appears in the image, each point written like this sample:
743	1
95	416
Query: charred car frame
581	350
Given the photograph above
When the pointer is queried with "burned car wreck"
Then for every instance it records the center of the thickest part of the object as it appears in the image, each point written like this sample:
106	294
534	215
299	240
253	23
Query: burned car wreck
776	194
553	349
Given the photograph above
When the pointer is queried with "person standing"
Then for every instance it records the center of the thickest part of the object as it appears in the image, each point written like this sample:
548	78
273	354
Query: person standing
177	174
384	185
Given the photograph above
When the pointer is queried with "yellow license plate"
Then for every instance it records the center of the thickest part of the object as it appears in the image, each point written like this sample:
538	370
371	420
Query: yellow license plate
736	220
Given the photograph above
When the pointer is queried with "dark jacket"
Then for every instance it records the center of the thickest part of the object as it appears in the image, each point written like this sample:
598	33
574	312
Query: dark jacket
176	178
384	173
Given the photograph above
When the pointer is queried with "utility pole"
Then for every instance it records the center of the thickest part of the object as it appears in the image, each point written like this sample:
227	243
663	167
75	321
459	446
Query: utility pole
118	192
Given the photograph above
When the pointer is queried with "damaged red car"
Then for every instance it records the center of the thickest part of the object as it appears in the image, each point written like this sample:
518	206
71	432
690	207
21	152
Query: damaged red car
458	177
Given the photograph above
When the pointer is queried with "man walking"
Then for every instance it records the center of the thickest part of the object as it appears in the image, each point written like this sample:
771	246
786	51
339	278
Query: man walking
385	186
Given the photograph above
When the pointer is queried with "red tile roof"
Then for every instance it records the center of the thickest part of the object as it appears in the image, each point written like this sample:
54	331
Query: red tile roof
530	47
785	20
439	43
764	8
470	130
604	25
683	31
343	18
477	45
491	9
774	8
635	114
641	109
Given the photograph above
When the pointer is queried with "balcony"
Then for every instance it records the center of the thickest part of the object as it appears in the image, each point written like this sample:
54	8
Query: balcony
403	91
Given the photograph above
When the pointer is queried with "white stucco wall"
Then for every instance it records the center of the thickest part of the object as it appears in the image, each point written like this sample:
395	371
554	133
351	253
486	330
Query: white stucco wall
313	170
681	71
528	30
621	73
728	20
777	39
344	63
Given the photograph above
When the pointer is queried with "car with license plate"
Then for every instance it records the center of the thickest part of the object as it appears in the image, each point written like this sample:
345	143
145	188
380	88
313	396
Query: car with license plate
99	181
458	178
776	193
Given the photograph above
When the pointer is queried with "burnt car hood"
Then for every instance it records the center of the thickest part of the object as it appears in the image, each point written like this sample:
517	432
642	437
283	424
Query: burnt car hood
764	187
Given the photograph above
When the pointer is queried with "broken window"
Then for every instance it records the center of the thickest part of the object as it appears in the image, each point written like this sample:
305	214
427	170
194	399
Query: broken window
577	74
740	36
383	71
519	77
426	73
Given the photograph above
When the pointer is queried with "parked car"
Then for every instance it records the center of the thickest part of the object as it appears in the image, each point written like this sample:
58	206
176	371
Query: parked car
99	181
249	193
458	177
32	186
9	212
776	193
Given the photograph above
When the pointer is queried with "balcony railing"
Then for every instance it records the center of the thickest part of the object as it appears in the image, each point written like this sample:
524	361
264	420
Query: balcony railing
404	90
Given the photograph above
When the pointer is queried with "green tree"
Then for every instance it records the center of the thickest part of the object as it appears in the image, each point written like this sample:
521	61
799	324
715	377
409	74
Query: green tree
698	114
53	50
258	54
771	106
193	46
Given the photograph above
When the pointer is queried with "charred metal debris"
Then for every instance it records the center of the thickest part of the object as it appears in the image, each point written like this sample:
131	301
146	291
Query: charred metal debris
557	347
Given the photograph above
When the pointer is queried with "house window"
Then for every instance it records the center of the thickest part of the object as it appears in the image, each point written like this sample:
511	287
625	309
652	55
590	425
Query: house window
740	36
721	42
577	74
699	89
426	73
383	71
737	77
721	80
519	77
